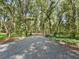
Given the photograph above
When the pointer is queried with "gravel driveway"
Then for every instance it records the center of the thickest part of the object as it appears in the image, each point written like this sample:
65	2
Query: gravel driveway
35	47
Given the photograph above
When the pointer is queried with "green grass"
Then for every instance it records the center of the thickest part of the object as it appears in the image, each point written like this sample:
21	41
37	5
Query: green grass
2	36
66	40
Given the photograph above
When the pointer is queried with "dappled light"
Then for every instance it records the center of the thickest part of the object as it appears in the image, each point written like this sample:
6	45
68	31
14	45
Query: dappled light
35	48
39	29
3	47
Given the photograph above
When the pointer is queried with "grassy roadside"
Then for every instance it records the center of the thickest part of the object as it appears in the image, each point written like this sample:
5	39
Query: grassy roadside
73	44
68	41
3	36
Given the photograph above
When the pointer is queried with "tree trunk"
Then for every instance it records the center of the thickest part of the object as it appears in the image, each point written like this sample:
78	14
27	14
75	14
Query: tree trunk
73	26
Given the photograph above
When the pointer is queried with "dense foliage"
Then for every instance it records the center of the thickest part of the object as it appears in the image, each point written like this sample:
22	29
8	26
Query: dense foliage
3	36
23	17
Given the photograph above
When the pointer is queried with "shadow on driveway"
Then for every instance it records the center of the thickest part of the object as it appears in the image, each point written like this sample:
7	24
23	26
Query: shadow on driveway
35	47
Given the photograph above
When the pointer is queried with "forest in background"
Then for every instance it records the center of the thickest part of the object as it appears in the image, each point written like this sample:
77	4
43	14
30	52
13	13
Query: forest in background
51	17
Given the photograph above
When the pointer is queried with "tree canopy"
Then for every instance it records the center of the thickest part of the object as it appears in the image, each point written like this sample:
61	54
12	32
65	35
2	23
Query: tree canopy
23	17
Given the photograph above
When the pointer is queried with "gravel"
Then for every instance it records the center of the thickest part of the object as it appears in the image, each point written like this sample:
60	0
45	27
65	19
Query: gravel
35	47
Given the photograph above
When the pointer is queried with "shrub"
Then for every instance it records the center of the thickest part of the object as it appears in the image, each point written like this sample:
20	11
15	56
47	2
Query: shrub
3	36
